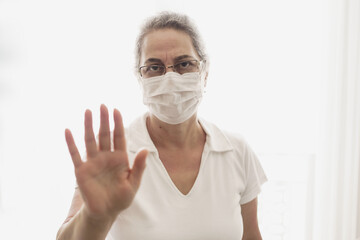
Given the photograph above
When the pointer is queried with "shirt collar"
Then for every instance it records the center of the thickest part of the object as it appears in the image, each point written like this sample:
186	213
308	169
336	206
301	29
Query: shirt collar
215	138
140	138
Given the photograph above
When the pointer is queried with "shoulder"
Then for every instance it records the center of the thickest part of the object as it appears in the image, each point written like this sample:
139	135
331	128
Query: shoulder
224	139
237	140
136	131
137	136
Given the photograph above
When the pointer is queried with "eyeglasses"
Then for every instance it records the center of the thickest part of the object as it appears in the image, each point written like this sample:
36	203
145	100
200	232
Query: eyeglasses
155	70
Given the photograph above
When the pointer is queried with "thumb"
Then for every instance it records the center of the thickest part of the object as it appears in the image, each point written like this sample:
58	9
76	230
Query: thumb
138	168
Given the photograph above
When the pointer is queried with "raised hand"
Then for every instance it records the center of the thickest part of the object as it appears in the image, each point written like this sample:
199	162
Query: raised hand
106	182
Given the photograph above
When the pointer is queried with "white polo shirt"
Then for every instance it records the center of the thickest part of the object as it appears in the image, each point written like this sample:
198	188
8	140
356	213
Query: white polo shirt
230	175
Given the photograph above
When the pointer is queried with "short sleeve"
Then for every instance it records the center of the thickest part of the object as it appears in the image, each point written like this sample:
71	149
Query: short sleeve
255	175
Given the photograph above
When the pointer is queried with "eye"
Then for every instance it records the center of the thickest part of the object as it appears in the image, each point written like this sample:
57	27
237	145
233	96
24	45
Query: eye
185	64
154	68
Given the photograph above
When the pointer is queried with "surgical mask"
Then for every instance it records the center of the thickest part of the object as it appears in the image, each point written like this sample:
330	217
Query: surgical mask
173	98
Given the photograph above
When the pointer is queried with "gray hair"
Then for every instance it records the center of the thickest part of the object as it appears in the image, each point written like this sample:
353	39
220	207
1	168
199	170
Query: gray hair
174	21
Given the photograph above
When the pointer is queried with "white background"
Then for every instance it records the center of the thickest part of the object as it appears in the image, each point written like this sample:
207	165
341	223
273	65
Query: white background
58	58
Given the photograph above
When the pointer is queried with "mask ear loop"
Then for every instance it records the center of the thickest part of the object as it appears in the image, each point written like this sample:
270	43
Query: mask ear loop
203	72
202	82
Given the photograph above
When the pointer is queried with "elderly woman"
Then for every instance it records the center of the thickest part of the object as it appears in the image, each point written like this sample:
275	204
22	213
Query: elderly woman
199	182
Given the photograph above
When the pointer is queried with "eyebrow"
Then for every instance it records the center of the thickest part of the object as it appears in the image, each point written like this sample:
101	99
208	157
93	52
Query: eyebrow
179	58
183	57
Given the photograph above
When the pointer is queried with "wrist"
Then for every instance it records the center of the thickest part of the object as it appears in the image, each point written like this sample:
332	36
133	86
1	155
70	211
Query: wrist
104	221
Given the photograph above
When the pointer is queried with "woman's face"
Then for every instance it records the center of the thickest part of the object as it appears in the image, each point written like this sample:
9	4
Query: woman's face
167	47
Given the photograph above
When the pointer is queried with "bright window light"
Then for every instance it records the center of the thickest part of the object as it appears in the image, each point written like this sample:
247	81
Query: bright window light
59	58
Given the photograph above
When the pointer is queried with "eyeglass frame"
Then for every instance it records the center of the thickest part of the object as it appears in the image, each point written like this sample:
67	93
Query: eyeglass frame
200	62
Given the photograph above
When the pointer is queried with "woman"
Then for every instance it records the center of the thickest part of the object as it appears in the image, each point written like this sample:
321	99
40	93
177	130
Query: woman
199	182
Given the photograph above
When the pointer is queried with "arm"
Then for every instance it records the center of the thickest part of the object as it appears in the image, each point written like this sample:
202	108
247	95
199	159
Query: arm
78	225
76	205
250	222
107	185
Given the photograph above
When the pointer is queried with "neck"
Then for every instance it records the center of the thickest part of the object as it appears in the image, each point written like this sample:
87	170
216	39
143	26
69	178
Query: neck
175	137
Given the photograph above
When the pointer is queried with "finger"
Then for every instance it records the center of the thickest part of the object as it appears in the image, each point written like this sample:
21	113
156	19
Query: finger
104	131
90	142
138	168
74	152
119	132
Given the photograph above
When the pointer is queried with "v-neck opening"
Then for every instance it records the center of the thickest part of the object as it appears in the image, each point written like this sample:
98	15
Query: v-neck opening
197	179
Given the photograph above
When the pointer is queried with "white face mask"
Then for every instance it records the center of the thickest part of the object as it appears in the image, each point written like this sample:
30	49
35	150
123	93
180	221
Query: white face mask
173	98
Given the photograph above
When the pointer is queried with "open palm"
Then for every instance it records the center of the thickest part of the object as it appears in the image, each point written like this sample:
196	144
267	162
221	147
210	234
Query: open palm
106	182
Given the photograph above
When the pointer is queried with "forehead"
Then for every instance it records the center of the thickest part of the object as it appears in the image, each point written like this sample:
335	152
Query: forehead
166	44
